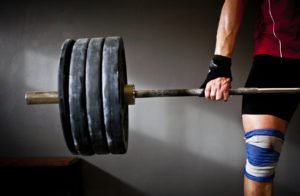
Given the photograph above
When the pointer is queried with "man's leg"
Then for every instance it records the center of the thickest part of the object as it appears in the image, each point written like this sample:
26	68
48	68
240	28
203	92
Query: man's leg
259	122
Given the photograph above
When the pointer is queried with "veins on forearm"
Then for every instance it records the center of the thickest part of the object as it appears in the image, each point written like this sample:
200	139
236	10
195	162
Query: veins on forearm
229	26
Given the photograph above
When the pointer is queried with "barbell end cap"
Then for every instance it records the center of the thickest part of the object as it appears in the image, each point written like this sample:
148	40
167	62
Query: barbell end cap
129	94
26	98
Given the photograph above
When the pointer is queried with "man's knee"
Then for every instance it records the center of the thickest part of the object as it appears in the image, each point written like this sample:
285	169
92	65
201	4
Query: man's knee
263	149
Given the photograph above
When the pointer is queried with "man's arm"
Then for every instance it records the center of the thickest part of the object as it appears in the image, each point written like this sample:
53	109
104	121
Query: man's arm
229	26
232	13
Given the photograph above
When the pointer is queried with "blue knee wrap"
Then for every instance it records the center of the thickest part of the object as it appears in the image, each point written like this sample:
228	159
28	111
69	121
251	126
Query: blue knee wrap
263	148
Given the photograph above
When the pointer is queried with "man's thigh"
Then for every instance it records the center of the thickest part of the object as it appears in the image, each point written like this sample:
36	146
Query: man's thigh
257	122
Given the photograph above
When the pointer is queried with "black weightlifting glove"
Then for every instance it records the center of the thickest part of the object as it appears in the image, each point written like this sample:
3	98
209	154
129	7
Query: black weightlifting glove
219	67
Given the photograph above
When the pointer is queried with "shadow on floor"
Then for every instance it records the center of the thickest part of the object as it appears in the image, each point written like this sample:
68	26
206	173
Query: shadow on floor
153	167
98	182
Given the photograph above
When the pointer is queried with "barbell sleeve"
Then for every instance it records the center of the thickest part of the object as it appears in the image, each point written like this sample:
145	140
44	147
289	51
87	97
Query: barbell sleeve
41	97
51	97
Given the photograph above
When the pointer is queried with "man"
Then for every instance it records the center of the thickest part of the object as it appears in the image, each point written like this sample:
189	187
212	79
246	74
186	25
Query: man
276	64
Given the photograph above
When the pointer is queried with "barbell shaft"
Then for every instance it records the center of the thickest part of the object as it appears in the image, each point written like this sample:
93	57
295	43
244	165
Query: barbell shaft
51	97
199	92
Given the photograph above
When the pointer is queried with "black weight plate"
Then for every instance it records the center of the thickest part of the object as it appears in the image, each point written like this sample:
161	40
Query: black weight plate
77	101
63	89
93	84
114	77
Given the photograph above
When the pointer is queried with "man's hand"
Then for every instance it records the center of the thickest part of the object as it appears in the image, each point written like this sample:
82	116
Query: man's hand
218	89
218	79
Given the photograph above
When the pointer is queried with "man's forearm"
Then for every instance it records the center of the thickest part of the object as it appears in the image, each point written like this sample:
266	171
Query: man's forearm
229	26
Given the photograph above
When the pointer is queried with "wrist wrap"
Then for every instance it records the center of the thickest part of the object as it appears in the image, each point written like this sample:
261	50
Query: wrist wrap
219	67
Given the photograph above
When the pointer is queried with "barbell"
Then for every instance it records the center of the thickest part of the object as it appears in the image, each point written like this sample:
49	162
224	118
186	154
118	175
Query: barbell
93	95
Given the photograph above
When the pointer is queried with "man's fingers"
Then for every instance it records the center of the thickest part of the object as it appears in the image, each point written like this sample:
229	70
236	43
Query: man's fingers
219	92
225	95
218	89
212	95
210	91
207	90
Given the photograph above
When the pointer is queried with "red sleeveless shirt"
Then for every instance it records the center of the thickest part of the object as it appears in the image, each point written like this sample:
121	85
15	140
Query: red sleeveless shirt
277	30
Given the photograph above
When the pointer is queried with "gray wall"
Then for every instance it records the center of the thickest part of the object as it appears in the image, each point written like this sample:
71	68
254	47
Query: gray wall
178	146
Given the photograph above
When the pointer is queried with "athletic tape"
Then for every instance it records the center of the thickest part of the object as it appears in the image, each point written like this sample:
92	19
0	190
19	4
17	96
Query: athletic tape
263	148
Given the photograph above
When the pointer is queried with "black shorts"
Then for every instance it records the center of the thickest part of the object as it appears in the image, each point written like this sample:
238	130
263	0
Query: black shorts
273	72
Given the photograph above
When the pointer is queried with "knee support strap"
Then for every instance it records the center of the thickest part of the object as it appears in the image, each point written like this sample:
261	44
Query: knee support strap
263	148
